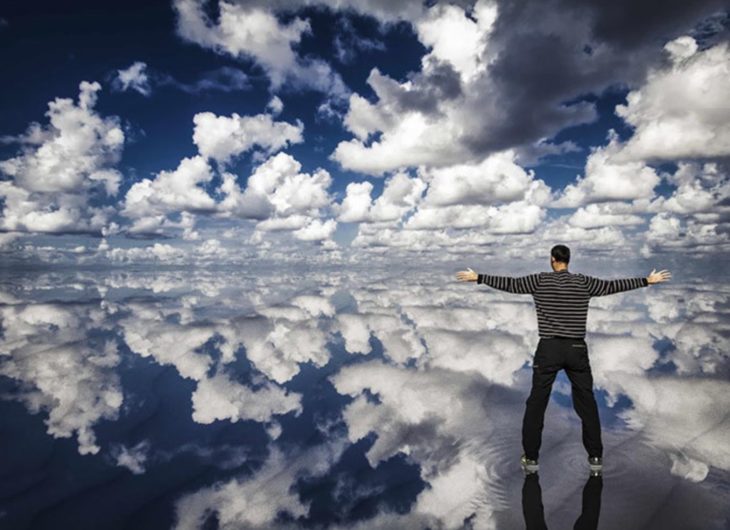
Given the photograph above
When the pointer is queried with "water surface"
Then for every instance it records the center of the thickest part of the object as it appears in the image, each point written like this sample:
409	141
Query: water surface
356	399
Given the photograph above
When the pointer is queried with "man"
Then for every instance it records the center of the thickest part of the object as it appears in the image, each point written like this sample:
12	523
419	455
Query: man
561	302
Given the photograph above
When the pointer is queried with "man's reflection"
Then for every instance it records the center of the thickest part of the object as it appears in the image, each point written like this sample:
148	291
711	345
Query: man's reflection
534	513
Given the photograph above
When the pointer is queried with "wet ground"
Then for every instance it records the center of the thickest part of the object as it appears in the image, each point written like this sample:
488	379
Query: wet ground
229	399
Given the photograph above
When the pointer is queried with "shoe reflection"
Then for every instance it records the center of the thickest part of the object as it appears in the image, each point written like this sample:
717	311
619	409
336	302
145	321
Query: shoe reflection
534	513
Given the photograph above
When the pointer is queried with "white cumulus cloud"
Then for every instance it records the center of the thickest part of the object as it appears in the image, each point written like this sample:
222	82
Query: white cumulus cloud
61	166
222	137
682	111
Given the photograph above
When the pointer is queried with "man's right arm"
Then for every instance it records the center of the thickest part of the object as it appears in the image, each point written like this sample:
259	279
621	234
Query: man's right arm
518	285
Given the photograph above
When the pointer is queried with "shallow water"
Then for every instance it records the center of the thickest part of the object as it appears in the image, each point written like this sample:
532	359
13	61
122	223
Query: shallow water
230	399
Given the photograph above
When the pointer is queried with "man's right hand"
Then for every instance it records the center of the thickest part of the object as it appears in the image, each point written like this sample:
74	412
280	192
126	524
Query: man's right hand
467	276
657	277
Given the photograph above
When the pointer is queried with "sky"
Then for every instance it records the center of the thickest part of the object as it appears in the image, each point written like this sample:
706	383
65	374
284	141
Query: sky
341	131
228	238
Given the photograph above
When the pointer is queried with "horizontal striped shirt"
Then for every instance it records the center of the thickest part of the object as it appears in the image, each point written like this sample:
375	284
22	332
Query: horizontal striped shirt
561	297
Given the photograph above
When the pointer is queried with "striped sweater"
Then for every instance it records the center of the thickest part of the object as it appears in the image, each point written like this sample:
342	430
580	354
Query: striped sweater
561	298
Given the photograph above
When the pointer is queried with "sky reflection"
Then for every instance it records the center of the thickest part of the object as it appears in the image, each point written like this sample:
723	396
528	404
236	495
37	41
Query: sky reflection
230	400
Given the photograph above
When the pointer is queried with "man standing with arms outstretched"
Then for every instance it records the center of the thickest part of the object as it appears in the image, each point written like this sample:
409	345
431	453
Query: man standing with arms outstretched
561	302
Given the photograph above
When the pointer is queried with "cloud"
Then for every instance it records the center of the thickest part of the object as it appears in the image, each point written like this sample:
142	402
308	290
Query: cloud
399	339
148	201
277	340
222	138
316	230
385	11
429	416
133	458
157	252
275	105
348	42
696	213
605	214
409	137
530	155
494	194
401	194
289	190
700	189
246	204
133	78
440	129
62	167
509	96
517	217
223	79
148	334
669	233
664	115
275	188
140	78
254	32
217	395
8	237
220	398
280	342
495	179
257	501
681	110
469	120
75	384
660	403
439	23
608	176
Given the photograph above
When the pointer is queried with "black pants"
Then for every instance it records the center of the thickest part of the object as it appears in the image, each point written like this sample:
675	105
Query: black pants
551	356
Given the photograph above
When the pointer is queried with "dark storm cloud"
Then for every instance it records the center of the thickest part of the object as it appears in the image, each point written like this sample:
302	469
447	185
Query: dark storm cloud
628	24
554	51
441	83
711	30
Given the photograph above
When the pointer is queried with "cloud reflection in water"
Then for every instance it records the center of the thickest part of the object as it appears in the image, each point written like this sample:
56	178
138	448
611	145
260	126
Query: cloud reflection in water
354	400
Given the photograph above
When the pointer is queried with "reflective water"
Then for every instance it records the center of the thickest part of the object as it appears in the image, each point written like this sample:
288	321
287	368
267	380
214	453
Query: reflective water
330	399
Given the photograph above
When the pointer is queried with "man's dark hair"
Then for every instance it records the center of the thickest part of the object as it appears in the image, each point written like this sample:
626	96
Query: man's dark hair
560	253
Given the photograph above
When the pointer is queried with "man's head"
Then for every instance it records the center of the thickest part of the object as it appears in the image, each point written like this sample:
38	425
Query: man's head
559	257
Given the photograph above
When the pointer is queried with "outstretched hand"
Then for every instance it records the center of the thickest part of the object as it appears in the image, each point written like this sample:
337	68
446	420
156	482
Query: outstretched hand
657	277
467	276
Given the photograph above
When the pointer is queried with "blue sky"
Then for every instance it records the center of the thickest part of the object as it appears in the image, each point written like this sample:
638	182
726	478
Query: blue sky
249	215
189	131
